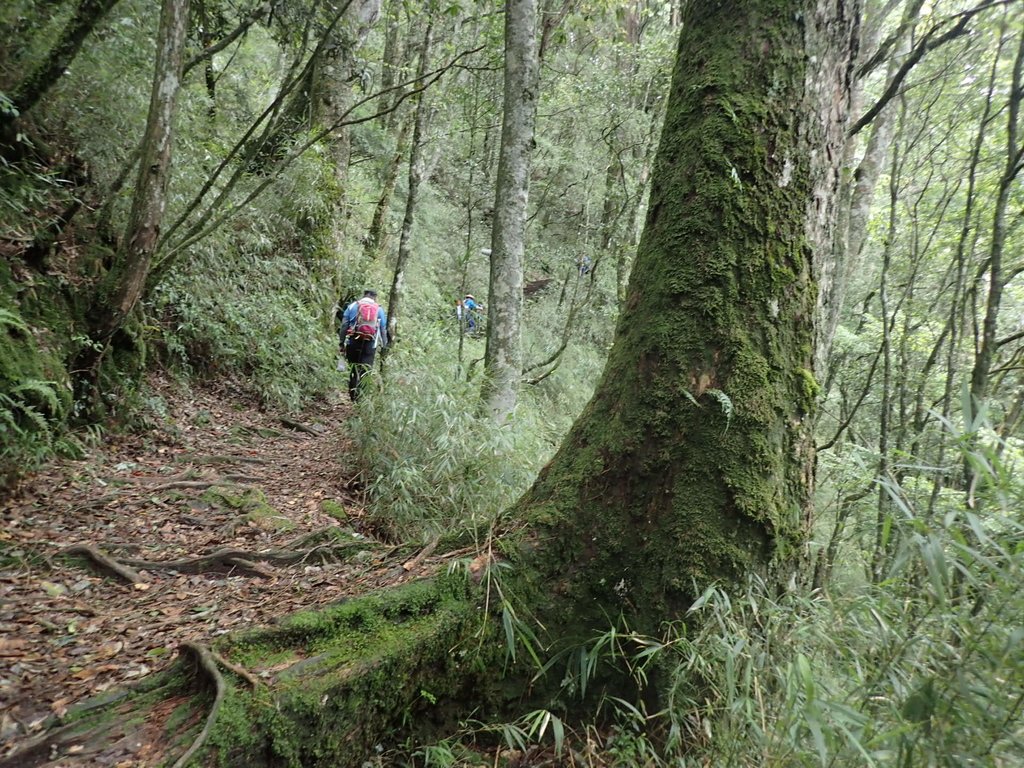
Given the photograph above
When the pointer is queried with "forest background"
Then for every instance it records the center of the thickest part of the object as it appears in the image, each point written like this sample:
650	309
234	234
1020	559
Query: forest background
320	149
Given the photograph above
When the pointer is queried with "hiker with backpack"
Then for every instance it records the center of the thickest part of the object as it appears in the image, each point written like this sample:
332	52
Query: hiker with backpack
471	306
364	327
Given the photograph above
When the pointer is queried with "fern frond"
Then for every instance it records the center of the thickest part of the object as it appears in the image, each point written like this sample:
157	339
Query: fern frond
8	420
37	419
45	393
724	403
10	319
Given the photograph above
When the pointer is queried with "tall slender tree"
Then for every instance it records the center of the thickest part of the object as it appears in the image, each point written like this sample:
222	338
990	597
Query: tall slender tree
412	192
503	359
126	280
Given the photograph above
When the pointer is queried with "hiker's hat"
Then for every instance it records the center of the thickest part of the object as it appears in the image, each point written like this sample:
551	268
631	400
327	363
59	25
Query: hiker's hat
470	296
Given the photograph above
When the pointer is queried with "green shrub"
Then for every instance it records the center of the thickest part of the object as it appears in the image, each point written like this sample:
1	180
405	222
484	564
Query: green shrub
924	668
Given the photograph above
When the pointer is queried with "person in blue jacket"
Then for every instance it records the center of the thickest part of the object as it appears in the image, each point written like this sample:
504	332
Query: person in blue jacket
471	307
364	328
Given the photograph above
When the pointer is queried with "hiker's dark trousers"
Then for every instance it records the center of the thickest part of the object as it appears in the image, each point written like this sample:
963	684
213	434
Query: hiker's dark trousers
359	354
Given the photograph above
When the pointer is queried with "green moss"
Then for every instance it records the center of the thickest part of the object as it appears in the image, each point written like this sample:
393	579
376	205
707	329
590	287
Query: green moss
810	389
334	509
250	503
359	672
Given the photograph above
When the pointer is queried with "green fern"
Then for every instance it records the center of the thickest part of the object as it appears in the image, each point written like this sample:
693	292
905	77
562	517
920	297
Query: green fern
724	403
10	319
8	419
37	419
44	391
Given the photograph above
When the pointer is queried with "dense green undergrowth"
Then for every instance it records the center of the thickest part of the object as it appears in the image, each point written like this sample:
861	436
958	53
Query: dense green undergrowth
924	667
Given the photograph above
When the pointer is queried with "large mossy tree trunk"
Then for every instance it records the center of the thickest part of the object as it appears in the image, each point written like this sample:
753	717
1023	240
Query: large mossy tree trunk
692	464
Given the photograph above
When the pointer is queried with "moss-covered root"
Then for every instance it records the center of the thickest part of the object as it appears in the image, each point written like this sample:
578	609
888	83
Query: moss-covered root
323	688
379	671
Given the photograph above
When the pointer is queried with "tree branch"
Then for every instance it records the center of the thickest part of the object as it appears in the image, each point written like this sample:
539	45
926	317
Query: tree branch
105	562
243	27
927	44
199	232
856	406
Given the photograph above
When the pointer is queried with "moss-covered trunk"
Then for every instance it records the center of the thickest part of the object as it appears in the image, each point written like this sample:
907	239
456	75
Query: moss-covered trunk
694	461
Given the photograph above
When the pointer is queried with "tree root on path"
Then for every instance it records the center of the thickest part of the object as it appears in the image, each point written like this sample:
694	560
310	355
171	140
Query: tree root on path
105	562
221	458
198	484
206	662
242	672
228	559
300	427
83	730
39	749
339	682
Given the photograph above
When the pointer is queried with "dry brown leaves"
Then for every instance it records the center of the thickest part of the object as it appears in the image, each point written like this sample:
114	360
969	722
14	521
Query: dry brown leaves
67	633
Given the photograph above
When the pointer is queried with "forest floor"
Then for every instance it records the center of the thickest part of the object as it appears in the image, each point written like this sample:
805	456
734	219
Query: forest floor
217	476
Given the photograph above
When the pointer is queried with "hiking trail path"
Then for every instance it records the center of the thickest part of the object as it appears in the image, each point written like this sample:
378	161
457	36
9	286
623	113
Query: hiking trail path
212	521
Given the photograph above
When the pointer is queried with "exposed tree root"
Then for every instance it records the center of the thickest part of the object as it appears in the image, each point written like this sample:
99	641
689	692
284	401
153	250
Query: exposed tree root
206	662
300	427
86	724
223	560
105	562
237	477
200	484
390	663
426	552
242	672
221	458
42	747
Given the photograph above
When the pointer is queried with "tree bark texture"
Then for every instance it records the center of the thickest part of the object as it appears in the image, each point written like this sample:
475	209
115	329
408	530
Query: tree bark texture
694	460
503	358
125	283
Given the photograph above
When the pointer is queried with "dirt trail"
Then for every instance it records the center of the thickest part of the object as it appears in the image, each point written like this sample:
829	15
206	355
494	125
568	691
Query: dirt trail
216	473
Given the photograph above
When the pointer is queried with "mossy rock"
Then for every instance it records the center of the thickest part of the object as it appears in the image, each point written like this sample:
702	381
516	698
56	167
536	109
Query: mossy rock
270	520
